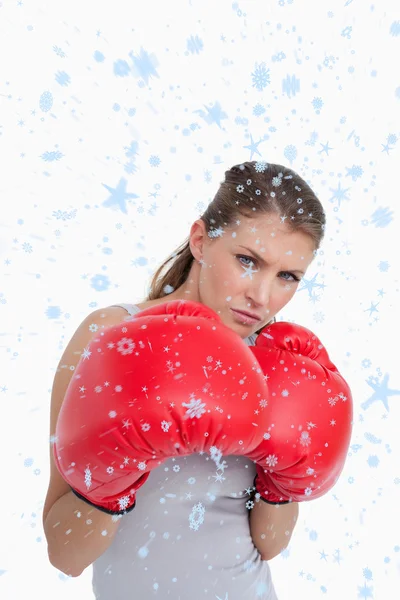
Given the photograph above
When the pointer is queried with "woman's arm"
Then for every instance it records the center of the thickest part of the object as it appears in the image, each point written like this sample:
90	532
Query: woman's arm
271	526
76	533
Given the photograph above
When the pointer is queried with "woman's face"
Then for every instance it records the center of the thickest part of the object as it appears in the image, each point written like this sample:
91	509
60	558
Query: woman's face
255	266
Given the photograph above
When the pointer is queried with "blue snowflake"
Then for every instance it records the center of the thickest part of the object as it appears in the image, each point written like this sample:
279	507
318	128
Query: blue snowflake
100	283
140	261
258	110
355	172
214	114
290	86
46	102
261	77
339	195
381	392
194	45
384	266
98	56
121	68
290	152
130	168
63	78
382	217
64	215
317	104
52	156
346	32
144	65
261	166
395	29
118	196
154	161
365	591
59	52
26	247
53	312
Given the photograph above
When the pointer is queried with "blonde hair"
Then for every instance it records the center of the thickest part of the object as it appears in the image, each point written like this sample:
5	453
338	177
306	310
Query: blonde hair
249	188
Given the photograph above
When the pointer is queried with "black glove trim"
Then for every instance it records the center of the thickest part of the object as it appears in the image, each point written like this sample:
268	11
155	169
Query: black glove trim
105	510
275	503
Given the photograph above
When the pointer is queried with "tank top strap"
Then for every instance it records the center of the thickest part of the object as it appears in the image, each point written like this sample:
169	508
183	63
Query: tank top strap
132	309
251	340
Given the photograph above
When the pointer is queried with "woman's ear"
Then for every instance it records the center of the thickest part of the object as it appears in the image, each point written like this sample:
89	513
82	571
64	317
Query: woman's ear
197	239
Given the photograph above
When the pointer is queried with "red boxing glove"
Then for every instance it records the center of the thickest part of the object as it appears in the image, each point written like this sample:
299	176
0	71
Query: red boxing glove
173	380
309	416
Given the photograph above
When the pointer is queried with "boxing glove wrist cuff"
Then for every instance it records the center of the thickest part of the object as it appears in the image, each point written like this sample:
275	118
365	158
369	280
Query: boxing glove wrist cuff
273	499
102	508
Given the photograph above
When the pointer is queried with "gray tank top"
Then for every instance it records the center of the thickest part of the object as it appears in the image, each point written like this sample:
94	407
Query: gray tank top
188	537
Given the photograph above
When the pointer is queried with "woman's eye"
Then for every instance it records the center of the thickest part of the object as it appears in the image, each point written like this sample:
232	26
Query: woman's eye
252	260
294	278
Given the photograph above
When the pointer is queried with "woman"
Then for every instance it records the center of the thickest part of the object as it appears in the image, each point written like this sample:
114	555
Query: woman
192	533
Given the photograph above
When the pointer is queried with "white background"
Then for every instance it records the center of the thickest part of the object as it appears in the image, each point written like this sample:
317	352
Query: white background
96	94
